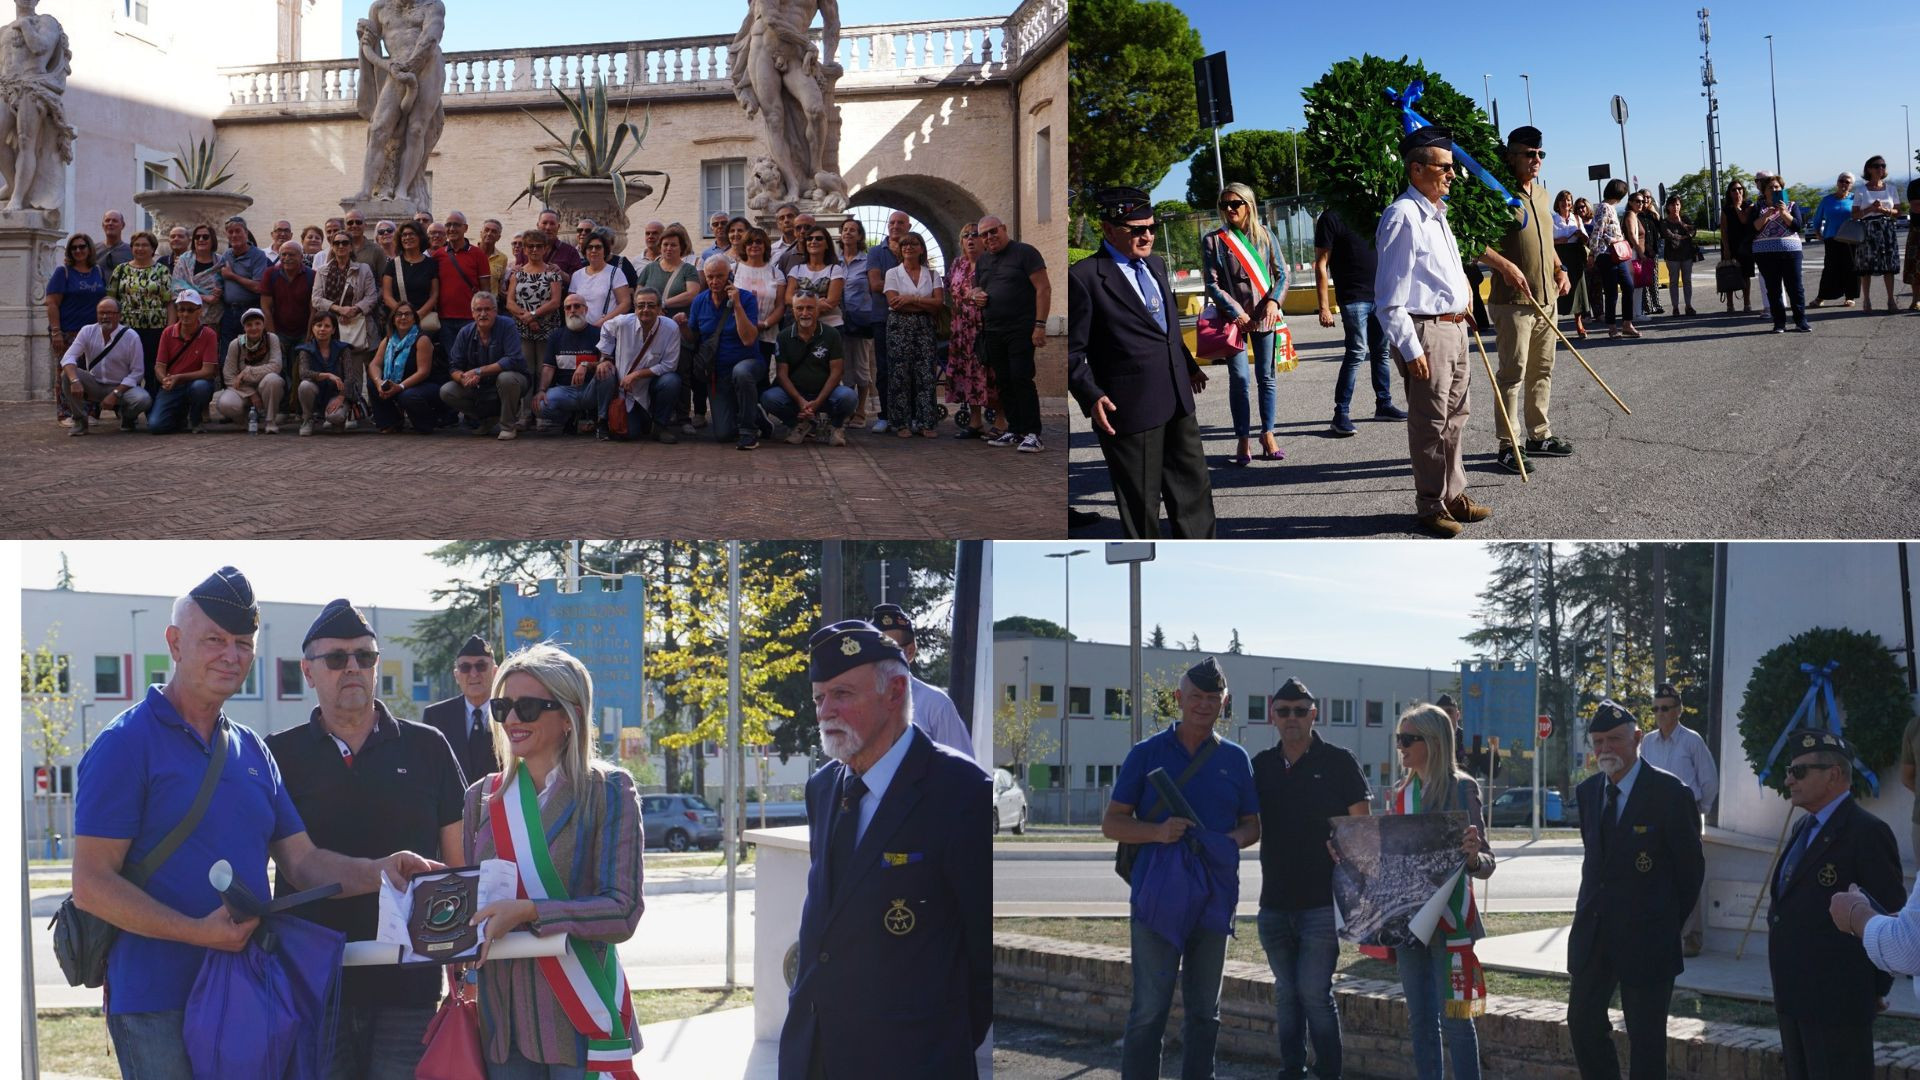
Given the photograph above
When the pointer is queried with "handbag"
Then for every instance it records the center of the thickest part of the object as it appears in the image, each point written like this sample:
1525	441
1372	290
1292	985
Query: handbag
697	355
1729	276
355	334
1643	273
1216	337
1621	251
1851	232
453	1039
430	322
81	939
1125	855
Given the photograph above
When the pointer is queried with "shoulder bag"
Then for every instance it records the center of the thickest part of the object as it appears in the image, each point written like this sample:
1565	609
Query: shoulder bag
81	939
356	334
1850	232
1124	856
697	354
117	335
430	322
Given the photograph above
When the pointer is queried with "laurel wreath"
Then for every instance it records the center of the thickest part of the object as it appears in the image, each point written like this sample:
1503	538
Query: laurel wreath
1871	686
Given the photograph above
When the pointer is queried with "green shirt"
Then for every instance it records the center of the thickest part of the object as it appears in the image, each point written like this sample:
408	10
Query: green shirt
1530	247
809	362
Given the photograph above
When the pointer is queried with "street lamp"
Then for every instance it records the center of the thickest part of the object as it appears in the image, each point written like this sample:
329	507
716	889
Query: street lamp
133	660
1066	705
1486	86
1528	79
1774	93
1909	114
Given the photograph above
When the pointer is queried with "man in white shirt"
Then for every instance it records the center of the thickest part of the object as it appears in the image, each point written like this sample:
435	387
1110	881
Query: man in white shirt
104	364
1680	750
1422	299
645	350
933	710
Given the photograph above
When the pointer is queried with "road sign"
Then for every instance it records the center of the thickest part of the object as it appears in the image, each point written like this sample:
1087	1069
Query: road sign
1210	84
1619	109
1139	551
1546	726
1599	172
39	780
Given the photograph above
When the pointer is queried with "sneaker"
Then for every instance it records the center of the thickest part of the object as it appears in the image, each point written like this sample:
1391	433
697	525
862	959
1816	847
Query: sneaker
306	427
1779	330
1030	444
688	429
353	425
1802	328
1441	525
1510	460
664	434
1389	412
1551	446
838	438
272	428
544	426
126	421
602	433
799	433
1465	510
1005	438
749	441
967	433
857	422
1343	425
79	426
698	421
507	434
880	426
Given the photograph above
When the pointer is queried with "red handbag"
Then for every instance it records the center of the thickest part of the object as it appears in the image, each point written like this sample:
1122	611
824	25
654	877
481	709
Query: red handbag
453	1039
1216	337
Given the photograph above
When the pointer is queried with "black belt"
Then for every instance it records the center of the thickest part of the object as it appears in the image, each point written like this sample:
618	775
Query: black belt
1455	317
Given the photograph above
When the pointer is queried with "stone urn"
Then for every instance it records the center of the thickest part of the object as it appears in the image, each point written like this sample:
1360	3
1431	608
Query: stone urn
578	198
188	207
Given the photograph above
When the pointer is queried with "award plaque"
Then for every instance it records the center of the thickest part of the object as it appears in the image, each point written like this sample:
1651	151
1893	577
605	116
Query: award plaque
443	905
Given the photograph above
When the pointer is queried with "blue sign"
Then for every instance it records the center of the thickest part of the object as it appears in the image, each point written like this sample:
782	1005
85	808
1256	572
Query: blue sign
1497	701
599	624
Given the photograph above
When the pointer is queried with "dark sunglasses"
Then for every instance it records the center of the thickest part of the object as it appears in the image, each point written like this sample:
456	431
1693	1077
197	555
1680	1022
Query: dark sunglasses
467	668
1799	772
1666	708
527	709
1408	738
1537	155
1233	204
1297	711
1140	230
364	659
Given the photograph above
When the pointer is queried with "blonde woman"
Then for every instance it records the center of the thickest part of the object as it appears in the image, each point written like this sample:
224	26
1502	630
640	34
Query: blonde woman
571	823
1433	785
1246	280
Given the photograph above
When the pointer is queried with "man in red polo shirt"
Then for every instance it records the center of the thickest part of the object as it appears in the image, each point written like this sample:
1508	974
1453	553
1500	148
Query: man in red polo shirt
464	270
286	295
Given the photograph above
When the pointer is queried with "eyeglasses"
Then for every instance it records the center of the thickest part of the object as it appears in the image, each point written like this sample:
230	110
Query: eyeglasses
1234	205
1140	230
1536	155
1408	738
526	709
1799	772
1298	712
466	667
1666	708
816	239
364	659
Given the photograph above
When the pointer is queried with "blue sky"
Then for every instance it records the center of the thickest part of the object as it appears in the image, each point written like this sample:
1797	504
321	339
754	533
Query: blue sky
1362	602
1840	94
492	24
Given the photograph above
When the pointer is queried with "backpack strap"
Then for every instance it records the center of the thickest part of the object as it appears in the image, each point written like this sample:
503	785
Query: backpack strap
159	855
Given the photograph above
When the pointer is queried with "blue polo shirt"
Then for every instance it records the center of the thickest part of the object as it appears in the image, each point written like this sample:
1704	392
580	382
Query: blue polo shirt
137	780
1221	792
701	317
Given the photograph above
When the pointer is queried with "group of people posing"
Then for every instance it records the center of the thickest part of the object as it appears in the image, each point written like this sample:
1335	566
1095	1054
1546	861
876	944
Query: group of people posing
417	327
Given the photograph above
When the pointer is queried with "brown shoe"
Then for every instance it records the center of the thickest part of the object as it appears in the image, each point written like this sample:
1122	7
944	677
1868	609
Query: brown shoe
1441	525
1466	510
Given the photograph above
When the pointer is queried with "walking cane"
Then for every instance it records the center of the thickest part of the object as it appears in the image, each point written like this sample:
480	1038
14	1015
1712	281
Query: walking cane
1500	402
1771	864
1555	323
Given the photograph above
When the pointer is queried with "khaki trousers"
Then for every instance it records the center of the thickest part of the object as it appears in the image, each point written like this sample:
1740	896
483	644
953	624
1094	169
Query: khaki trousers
1436	413
1525	342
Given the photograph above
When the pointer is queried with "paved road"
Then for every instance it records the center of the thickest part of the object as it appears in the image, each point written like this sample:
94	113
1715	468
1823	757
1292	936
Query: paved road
1735	433
1080	886
1025	1051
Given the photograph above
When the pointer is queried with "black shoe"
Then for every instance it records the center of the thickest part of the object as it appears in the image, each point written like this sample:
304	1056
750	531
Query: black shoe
1081	519
661	433
602	433
967	433
749	441
1389	412
1802	328
1510	460
1343	426
1551	446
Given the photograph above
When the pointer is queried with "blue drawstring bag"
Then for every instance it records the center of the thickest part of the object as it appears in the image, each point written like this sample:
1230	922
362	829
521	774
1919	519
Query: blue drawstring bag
268	1010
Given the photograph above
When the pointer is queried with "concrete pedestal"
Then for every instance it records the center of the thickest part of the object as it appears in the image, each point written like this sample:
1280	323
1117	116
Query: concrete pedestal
779	892
382	210
29	250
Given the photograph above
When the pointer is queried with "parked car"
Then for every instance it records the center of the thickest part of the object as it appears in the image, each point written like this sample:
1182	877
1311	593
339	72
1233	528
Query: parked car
1515	807
678	822
1009	803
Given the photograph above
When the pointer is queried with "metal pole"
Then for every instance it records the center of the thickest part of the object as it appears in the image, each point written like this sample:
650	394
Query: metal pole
1133	673
1909	115
1066	706
1294	138
1486	87
1219	170
732	792
1534	552
1774	93
30	1041
1624	164
1528	80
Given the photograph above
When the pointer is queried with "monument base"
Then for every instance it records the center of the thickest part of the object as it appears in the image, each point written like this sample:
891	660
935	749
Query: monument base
831	219
29	250
377	210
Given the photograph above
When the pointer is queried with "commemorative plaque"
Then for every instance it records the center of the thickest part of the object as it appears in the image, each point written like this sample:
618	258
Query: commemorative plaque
439	925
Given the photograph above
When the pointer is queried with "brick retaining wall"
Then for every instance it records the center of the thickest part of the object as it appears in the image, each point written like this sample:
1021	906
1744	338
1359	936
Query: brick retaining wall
1085	987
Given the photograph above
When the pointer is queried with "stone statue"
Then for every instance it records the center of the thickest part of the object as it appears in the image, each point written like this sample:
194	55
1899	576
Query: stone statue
400	97
35	139
777	74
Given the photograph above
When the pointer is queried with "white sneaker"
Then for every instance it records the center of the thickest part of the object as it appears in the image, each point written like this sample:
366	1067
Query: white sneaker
306	427
799	433
273	428
507	434
1030	445
879	427
353	425
1005	438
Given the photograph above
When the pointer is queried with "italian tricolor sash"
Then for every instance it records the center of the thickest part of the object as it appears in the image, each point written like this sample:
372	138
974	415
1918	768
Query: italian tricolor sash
592	992
1250	260
1467	981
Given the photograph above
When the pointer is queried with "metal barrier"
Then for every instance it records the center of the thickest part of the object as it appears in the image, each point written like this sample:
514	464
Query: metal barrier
1047	806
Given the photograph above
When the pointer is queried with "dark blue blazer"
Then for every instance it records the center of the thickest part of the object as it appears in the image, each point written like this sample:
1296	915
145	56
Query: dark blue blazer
1635	898
475	753
895	976
1114	350
1821	974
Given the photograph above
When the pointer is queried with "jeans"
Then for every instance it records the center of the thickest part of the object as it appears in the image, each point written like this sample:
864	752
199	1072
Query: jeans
519	1068
372	1043
1263	373
1426	976
839	405
1366	344
180	407
1616	282
1679	278
150	1045
420	403
660	396
1301	950
1156	964
736	397
499	400
1778	268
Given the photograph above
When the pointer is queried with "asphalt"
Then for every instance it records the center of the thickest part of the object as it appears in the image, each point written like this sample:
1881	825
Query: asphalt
1735	433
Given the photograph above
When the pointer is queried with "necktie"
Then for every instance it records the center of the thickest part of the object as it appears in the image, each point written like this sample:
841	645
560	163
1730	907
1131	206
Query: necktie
846	824
479	725
1610	815
1149	292
1802	834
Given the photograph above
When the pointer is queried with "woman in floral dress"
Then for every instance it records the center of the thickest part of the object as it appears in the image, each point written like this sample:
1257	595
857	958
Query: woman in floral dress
969	383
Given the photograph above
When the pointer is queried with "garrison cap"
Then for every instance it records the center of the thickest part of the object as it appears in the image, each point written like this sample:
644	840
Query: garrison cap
227	598
1667	689
893	617
476	646
1608	715
1121	204
339	619
1206	675
1293	690
1421	138
1807	742
848	644
1528	136
1446	701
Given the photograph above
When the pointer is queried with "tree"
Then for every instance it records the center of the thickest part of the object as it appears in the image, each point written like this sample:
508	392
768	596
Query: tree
1159	639
1180	231
1022	741
1261	159
1129	78
47	706
1032	627
1234	647
1193	643
1696	191
64	581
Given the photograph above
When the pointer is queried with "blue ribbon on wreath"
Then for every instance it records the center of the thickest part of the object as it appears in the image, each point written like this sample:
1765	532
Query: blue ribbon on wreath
1411	121
1819	687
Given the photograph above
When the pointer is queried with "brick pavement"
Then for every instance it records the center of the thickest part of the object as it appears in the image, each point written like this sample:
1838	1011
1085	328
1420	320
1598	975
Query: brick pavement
227	484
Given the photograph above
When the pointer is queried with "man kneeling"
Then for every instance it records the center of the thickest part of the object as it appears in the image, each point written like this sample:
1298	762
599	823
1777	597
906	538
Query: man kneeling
103	366
489	372
637	384
809	394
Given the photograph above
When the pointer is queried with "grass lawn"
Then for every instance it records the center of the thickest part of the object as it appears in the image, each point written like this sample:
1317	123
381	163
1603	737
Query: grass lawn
1245	946
1512	836
75	1040
698	859
63	884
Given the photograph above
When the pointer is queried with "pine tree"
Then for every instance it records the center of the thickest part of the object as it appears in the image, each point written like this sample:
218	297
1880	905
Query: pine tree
1234	647
1159	639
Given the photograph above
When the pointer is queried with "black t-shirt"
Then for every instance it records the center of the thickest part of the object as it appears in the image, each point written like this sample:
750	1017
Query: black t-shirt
1351	260
403	786
416	280
1008	280
809	362
1913	201
1296	873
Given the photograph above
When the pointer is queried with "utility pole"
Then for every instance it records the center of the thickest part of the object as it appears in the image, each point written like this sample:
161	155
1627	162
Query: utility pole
1774	92
1909	114
1528	80
1066	704
1534	577
1713	121
1486	87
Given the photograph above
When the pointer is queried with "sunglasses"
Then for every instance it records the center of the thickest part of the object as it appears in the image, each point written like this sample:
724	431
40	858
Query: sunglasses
1140	230
1235	204
1799	772
364	659
1537	155
1666	708
1299	712
527	709
1408	738
468	667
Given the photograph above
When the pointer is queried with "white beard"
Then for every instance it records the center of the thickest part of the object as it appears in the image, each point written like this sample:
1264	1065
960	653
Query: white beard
1608	763
576	323
842	746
